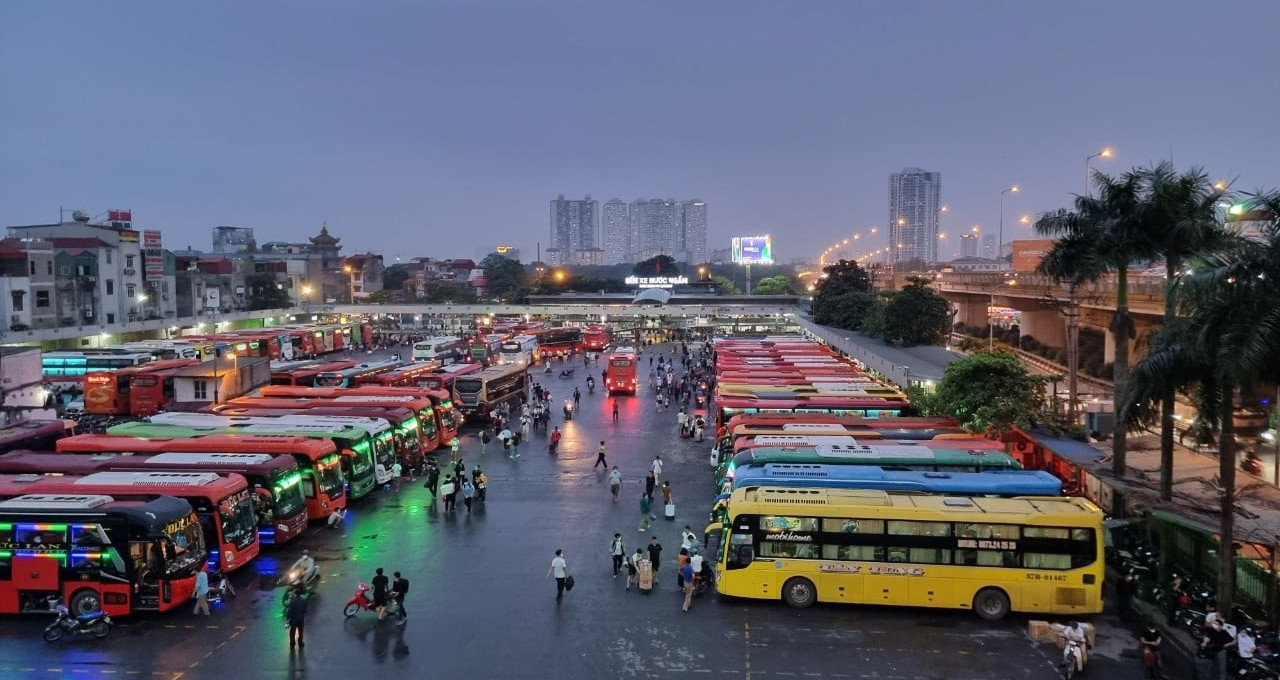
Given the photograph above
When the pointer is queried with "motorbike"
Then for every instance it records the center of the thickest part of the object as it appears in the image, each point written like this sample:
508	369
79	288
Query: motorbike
93	624
568	410
361	601
567	373
295	581
1252	465
1072	657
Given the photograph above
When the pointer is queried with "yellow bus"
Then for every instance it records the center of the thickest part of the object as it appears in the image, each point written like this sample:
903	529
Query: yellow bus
991	555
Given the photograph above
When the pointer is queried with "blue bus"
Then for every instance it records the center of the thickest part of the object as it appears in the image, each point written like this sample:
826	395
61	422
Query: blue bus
990	483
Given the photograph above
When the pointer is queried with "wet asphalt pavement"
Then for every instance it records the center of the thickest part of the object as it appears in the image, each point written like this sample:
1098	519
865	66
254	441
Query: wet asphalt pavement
479	606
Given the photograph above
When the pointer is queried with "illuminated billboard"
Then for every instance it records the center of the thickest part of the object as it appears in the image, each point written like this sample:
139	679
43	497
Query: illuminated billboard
752	249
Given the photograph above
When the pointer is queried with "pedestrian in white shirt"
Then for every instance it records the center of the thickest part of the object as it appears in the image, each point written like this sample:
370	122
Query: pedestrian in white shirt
560	569
657	468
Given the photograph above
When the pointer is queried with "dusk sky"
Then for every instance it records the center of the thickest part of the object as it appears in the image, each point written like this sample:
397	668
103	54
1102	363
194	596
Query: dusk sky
436	128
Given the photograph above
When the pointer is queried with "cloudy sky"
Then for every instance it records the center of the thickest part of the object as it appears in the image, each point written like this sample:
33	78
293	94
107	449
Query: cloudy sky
415	127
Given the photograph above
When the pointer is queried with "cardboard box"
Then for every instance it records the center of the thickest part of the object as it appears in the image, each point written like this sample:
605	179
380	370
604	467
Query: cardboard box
1038	630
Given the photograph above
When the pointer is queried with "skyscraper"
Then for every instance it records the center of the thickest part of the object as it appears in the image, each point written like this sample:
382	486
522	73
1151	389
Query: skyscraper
573	229
618	243
657	227
989	247
969	245
694	237
914	198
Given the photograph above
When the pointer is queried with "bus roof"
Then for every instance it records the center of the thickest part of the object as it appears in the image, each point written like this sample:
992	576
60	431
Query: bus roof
996	482
266	423
149	430
125	443
152	514
873	503
25	429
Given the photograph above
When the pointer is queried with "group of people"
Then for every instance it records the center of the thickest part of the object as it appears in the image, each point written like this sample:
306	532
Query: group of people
456	483
691	426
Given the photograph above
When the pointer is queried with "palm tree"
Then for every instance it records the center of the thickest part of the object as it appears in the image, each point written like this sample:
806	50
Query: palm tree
1114	219
1182	219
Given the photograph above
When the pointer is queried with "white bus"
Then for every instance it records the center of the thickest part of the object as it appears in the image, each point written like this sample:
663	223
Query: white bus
521	350
444	350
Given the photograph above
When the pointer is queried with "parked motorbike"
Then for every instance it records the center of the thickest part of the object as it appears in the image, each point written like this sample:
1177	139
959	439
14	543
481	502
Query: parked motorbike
361	601
1251	464
93	624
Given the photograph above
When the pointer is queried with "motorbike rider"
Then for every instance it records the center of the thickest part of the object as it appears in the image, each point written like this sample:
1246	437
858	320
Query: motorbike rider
1073	633
568	407
307	568
591	384
555	439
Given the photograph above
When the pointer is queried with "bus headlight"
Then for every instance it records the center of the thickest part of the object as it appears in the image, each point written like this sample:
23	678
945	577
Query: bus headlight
282	528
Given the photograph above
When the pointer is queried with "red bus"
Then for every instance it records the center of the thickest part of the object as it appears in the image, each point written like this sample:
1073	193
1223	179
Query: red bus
252	343
34	434
406	426
133	391
412	375
620	373
448	420
563	341
96	552
728	407
352	375
596	337
276	481
318	459
442	379
305	376
223	504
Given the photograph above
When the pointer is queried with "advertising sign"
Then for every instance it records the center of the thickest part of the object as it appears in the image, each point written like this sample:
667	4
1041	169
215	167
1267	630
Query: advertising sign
151	239
1027	253
752	249
153	266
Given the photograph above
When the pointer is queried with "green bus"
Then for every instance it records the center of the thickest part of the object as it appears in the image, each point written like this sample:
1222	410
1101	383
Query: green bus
356	444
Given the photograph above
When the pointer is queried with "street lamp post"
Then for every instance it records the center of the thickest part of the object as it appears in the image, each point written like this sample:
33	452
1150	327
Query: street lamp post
1104	153
1000	238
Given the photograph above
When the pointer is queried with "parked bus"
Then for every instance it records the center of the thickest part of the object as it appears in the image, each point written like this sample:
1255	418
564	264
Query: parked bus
404	420
39	435
410	375
620	373
67	369
323	484
480	393
521	350
596	337
355	444
172	349
351	376
281	510
442	378
486	349
306	375
562	342
822	476
447	418
894	456
728	407
443	350
989	555
133	390
95	552
223	504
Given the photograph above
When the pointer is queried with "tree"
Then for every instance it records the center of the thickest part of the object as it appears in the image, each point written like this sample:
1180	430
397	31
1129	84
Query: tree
1072	262
990	391
843	296
774	285
379	297
661	265
1115	218
725	285
916	315
393	277
506	276
266	293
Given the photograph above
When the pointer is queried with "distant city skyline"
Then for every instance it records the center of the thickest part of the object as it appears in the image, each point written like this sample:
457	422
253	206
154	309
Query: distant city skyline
272	119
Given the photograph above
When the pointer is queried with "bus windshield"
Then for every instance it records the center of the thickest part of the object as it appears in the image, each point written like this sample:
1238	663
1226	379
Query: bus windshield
188	545
329	474
289	498
240	523
362	462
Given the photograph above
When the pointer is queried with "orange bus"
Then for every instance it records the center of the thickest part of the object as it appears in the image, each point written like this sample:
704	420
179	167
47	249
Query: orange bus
96	552
620	373
412	375
223	504
134	390
318	459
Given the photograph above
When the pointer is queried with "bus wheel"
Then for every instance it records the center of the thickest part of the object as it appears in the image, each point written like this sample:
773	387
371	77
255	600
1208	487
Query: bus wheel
84	601
991	604
799	592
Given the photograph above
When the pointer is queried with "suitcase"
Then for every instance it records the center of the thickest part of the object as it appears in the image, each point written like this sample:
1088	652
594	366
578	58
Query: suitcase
644	576
669	511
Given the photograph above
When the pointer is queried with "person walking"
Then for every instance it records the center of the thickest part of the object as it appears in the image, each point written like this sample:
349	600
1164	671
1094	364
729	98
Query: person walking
655	556
515	444
686	574
400	588
484	440
645	507
555	439
295	614
446	493
468	490
202	591
482	482
433	480
649	483
656	466
600	461
454	445
633	568
615	482
381	586
459	469
615	410
668	510
396	472
560	569
617	552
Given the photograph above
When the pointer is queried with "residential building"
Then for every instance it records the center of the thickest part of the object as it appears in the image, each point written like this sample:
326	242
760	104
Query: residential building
694	231
969	245
364	272
573	228
617	237
22	391
657	226
989	247
233	240
914	201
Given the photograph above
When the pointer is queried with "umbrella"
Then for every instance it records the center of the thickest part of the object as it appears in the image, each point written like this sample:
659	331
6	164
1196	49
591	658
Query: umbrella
505	434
